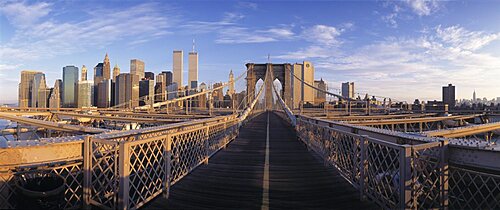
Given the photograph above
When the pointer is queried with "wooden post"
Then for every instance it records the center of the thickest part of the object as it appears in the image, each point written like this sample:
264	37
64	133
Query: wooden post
124	171
444	178
362	167
87	171
405	176
207	143
168	158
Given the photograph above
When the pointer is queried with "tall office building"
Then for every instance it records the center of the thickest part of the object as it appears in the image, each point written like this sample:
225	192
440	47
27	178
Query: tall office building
38	84
301	92
348	89
85	93
43	97
106	68
70	86
25	88
474	96
193	70
320	96
103	91
55	95
84	73
231	84
169	77
149	75
127	90
160	88
218	95
172	91
98	73
146	91
449	95
178	67
137	68
116	71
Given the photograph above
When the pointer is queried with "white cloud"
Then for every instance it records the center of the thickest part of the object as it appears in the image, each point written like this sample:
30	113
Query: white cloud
423	7
239	35
405	10
463	39
404	68
45	39
324	42
247	5
24	15
322	34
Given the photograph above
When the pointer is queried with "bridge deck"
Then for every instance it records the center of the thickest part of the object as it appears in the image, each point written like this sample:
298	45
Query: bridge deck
233	179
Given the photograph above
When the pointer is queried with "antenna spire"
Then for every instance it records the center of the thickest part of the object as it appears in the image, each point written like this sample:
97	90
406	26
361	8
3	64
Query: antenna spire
193	45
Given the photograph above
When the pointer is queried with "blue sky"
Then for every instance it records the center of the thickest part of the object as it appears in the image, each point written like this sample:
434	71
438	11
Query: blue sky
400	49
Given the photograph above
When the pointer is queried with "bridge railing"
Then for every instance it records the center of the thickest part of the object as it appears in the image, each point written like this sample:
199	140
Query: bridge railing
130	170
390	174
437	174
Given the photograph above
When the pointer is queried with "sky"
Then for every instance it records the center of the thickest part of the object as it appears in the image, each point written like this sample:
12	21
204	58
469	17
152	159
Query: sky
399	49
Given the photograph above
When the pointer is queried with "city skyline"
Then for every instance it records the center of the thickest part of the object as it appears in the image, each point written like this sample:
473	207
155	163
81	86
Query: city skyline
412	45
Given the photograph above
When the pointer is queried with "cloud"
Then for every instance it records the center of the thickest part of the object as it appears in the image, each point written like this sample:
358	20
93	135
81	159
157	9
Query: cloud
324	42
240	35
401	10
423	7
247	5
24	15
405	67
49	38
322	34
459	37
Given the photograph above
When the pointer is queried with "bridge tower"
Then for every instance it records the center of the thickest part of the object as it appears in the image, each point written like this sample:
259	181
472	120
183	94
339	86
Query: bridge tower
282	72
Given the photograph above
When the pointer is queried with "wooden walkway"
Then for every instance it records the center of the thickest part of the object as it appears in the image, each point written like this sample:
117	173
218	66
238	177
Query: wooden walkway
234	177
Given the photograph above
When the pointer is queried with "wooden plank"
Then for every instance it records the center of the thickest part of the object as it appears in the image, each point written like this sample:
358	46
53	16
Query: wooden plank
233	179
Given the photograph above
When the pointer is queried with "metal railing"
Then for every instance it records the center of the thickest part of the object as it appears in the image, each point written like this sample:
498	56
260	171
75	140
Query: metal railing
130	171
123	169
403	174
392	175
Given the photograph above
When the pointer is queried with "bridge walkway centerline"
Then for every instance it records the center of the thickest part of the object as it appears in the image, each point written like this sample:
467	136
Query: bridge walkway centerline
233	178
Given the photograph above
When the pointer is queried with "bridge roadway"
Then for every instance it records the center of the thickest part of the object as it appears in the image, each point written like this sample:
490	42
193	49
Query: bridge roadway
235	177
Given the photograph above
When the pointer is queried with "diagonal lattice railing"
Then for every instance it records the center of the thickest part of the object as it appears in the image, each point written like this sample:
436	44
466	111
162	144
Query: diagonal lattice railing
392	175
128	171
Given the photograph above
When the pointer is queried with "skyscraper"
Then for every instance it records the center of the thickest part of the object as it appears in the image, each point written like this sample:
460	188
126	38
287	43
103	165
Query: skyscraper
146	91
106	68
449	95
70	85
104	93
116	71
320	96
474	96
348	89
127	90
160	88
25	88
302	92
178	67
137	68
149	75
193	70
84	73
169	77
85	93
55	95
98	73
38	84
231	83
